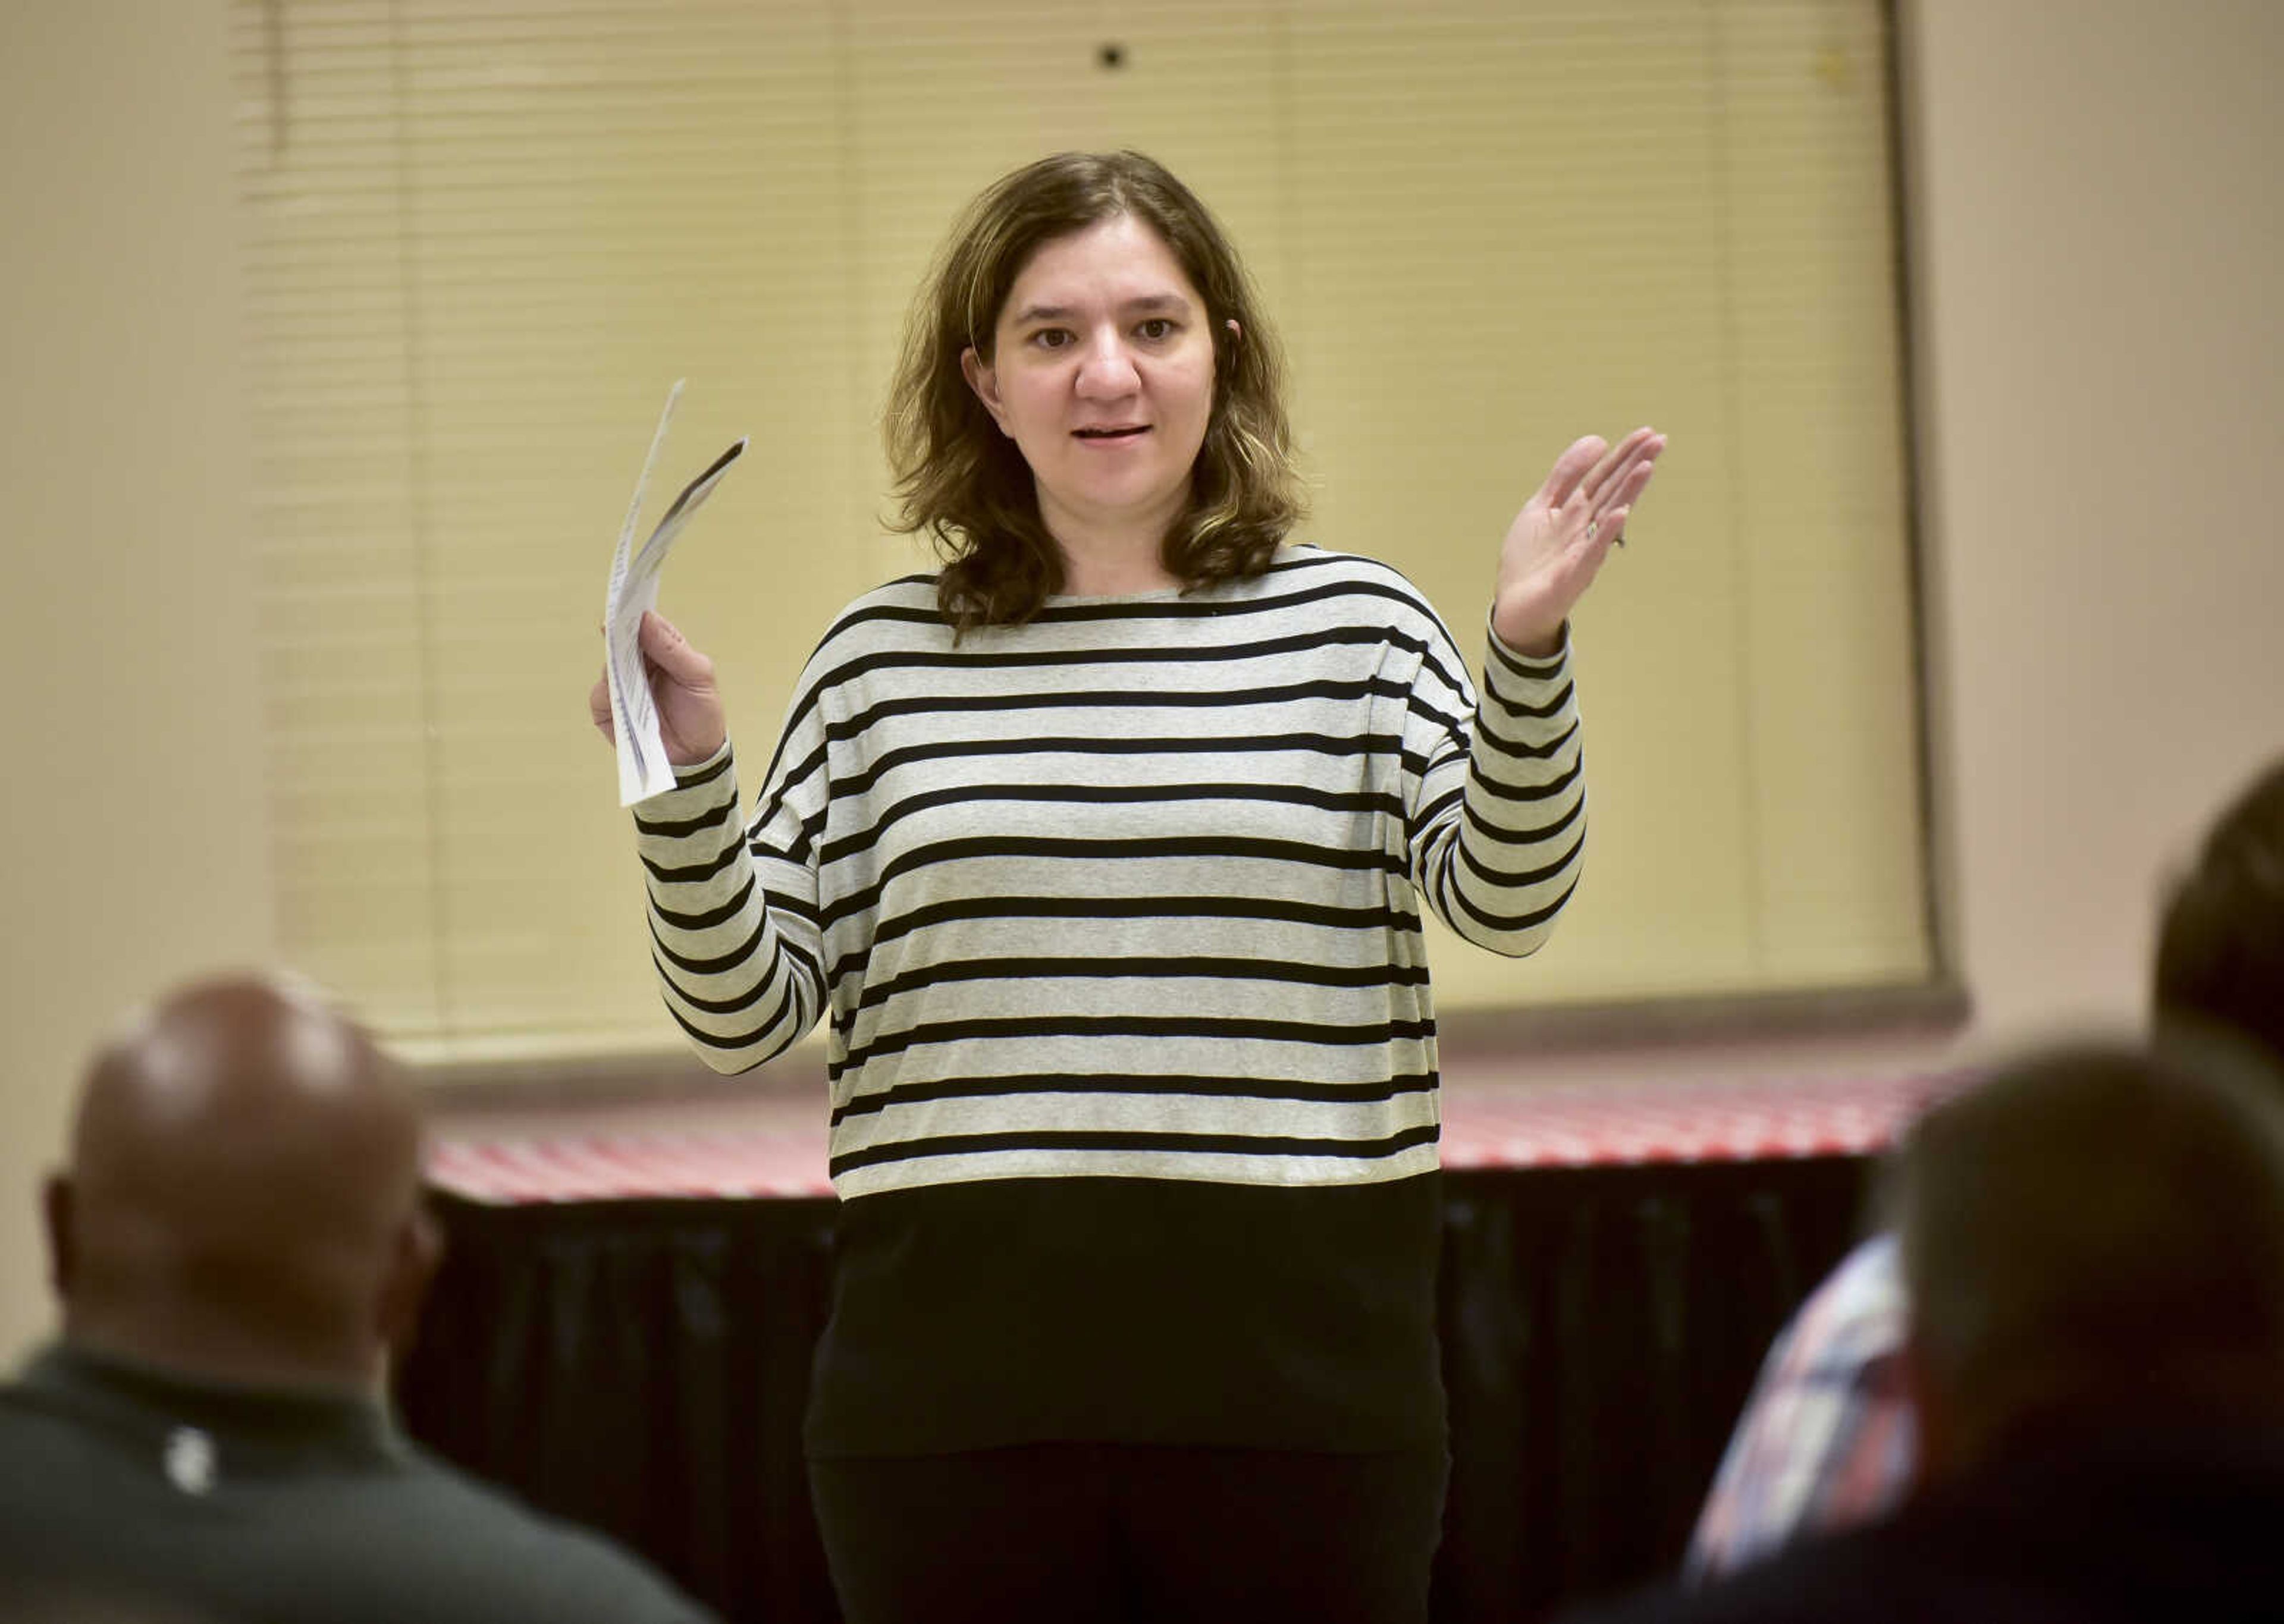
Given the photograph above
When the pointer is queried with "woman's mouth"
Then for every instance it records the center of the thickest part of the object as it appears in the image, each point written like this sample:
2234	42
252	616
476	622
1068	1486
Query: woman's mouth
1122	432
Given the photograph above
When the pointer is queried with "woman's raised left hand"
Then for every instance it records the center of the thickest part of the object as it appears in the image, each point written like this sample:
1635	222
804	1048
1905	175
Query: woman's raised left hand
1558	542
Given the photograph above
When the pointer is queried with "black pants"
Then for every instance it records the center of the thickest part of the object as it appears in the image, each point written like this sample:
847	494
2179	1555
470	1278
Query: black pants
1074	1533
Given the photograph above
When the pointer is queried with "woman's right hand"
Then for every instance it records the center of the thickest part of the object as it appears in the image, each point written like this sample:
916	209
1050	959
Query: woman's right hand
690	716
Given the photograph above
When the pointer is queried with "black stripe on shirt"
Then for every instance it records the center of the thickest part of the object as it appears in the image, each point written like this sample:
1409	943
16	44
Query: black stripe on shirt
1530	920
712	916
1188	967
1292	1091
713	817
1547	791
1069	699
1050	849
1099	795
1238	745
1212	1028
1194	1144
1376	918
694	872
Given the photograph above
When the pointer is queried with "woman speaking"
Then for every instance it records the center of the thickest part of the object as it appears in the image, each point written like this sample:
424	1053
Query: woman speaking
1103	850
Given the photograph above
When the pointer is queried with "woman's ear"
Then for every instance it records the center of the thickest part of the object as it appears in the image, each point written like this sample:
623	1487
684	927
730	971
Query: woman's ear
985	382
1236	333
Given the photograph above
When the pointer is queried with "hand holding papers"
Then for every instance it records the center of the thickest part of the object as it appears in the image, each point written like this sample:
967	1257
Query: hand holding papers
644	769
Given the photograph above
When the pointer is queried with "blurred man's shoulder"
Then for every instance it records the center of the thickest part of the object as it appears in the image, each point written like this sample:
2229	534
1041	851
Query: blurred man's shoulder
106	1510
489	1540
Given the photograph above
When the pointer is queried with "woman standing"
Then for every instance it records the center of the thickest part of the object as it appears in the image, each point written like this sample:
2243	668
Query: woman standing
1103	849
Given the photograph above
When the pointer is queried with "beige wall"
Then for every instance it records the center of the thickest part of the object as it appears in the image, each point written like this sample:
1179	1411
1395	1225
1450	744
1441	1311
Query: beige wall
2096	216
2098	223
133	813
2094	231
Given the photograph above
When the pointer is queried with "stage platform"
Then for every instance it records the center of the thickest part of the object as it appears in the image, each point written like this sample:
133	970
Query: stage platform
774	1145
623	1328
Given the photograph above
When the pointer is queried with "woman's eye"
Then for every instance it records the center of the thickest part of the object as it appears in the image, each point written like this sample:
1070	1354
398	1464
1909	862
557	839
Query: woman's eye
1156	328
1051	338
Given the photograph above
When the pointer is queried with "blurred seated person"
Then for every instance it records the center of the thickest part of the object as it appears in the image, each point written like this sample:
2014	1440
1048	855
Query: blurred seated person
238	1244
2092	1249
1828	1438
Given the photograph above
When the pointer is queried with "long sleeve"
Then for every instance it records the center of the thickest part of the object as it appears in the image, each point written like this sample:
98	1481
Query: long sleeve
733	910
1497	809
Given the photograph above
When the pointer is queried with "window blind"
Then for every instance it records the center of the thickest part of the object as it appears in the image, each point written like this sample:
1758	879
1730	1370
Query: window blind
483	236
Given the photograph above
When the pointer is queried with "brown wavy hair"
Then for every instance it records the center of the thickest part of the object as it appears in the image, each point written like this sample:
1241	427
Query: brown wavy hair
967	486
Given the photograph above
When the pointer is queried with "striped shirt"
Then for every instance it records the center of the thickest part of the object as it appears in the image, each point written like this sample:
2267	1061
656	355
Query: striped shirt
1129	894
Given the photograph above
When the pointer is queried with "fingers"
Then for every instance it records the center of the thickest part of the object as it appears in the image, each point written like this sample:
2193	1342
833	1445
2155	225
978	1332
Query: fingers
671	652
1608	477
1627	476
1613	464
599	709
1571	467
1626	489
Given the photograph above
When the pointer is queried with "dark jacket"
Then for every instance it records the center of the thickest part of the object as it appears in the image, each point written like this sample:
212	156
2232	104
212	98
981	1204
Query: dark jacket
2141	1526
126	1488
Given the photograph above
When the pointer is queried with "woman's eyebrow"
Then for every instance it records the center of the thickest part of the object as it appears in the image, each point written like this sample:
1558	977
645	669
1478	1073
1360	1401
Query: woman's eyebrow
1148	304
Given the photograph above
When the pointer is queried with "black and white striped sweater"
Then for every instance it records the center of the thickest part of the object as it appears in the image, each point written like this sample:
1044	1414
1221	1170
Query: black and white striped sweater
1117	918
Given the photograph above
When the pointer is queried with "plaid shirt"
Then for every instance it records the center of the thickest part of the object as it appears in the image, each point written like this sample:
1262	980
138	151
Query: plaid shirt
1828	1439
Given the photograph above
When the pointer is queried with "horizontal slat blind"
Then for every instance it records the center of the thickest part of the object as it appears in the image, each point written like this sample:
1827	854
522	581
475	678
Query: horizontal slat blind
484	235
1514	223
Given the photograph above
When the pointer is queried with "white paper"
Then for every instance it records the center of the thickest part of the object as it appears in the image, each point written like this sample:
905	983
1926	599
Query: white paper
644	769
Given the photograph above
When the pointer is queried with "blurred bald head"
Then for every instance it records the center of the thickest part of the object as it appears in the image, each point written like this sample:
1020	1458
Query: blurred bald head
243	1201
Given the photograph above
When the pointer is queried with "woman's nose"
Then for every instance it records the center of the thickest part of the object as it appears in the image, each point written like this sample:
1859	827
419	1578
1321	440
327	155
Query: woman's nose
1107	371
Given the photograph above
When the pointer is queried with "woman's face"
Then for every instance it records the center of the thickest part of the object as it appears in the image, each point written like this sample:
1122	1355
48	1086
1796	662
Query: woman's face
1102	372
